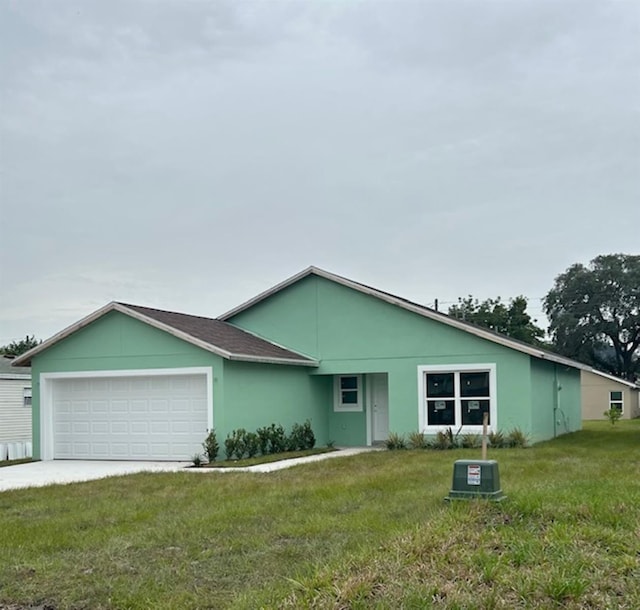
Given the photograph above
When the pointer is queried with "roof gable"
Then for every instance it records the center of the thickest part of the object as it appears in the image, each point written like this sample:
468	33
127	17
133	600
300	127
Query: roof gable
8	371
216	336
633	386
421	310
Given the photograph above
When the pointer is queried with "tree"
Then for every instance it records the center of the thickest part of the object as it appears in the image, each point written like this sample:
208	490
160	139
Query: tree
594	314
17	348
510	319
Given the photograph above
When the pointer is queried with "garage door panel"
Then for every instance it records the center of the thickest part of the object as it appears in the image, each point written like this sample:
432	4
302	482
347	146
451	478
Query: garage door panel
159	406
99	427
99	407
80	427
130	417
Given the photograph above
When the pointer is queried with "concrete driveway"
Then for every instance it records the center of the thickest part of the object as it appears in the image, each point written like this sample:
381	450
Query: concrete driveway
39	474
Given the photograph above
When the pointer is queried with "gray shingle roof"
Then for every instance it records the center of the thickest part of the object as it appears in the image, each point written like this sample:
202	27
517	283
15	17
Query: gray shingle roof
7	371
222	335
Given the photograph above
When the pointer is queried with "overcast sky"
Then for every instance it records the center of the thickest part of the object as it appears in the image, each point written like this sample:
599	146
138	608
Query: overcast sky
188	155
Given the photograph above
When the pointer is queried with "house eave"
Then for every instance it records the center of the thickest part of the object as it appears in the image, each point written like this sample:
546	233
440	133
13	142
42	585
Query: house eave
15	376
25	359
421	311
268	360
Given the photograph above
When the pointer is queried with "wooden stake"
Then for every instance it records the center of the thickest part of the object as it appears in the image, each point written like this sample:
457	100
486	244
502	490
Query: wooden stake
485	422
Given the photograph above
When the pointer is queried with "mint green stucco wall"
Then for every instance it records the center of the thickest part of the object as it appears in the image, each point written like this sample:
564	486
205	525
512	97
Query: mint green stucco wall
245	394
257	395
352	332
117	342
556	400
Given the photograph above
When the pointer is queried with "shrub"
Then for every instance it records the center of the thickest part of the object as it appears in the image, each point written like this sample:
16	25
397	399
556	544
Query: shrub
496	439
417	440
211	447
471	441
613	415
252	444
241	442
197	460
277	439
396	441
235	444
295	439
517	438
230	446
263	439
443	439
308	437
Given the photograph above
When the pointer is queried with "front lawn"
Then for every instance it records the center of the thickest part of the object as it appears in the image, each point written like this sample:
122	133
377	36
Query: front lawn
365	531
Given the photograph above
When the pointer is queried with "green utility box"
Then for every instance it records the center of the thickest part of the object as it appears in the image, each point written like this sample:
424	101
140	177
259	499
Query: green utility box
476	479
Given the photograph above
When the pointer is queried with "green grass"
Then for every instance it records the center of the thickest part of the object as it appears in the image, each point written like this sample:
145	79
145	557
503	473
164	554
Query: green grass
369	531
4	463
268	458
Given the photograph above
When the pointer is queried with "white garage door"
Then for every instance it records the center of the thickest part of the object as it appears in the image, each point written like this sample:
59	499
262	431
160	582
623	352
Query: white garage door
129	418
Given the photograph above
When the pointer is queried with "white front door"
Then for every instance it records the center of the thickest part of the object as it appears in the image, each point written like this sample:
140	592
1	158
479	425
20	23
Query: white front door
379	407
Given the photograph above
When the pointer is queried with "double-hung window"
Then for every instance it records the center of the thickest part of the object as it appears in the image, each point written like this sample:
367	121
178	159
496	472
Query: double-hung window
347	393
616	401
456	396
26	397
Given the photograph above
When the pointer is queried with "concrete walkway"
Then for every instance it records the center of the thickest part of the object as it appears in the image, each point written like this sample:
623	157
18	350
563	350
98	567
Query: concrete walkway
39	474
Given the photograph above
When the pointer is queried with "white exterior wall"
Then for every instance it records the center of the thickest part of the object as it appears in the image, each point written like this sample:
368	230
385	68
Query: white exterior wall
15	418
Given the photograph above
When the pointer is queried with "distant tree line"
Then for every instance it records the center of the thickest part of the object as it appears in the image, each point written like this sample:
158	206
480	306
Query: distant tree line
593	312
17	348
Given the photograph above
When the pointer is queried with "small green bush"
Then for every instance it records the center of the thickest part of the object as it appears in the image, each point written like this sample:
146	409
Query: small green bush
396	441
308	436
613	415
197	460
235	445
277	439
230	446
417	440
295	440
263	439
211	447
251	444
443	440
497	439
517	438
471	441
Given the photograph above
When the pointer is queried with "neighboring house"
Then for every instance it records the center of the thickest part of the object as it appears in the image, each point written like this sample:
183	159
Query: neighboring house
131	382
15	407
601	392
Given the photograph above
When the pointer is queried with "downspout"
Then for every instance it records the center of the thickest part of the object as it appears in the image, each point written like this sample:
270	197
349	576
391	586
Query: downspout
556	399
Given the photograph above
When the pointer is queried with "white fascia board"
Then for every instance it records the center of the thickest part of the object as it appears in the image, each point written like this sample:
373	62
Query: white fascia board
26	357
208	346
114	306
425	313
267	293
172	331
268	360
614	378
16	376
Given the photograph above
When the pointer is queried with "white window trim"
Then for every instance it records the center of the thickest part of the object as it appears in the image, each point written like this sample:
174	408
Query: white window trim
46	395
338	405
620	402
456	368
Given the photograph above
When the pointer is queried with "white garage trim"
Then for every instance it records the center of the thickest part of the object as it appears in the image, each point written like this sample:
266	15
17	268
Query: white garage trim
46	395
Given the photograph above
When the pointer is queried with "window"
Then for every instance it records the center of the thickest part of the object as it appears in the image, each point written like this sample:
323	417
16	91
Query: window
616	401
456	396
347	393
26	397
